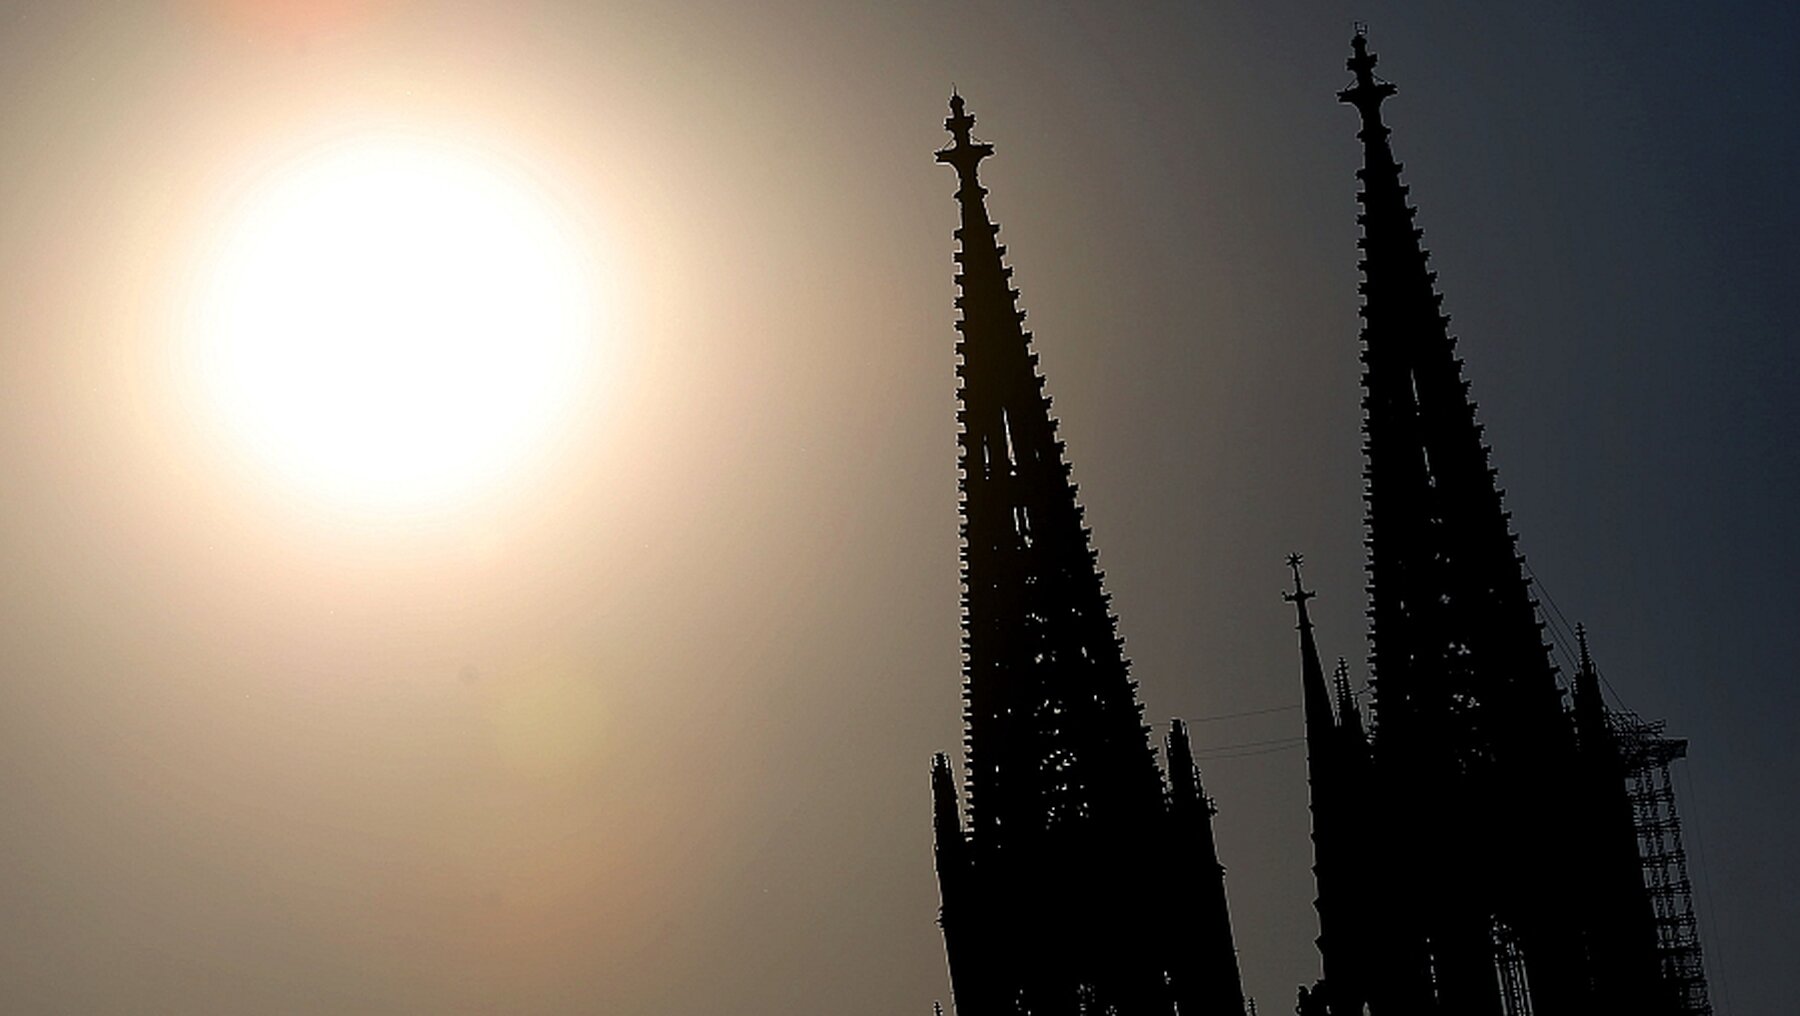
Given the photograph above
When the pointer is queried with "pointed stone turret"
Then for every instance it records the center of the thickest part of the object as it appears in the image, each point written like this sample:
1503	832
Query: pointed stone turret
1333	773
1208	983
1622	945
1590	711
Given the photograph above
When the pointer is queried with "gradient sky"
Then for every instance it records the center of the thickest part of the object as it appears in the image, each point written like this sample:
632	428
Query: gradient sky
647	731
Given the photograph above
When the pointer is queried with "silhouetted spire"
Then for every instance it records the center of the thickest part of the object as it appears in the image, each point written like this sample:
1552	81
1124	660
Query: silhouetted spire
1334	764
1585	672
1314	696
1494	834
1040	637
1624	943
1205	977
1464	694
1185	791
1069	836
1590	711
1458	653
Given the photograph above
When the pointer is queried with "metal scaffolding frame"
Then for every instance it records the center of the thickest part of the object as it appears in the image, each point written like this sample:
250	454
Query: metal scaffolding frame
1647	754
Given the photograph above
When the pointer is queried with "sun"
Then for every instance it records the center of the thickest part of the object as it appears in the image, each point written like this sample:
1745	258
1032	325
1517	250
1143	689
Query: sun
392	322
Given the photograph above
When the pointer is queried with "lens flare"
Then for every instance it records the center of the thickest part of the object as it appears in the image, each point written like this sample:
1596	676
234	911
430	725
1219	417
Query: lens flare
394	323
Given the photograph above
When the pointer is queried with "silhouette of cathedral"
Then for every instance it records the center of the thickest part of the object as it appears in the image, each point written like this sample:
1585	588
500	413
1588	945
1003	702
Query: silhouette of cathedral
1485	846
1081	882
1487	843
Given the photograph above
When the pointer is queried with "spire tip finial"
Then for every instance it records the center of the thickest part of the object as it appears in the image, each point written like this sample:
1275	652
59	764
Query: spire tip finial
1368	90
964	151
1300	593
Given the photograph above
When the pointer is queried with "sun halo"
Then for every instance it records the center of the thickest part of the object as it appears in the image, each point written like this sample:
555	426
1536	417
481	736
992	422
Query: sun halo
394	323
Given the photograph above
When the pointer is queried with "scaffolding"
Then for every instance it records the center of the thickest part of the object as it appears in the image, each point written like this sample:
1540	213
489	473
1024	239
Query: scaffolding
1647	754
1509	970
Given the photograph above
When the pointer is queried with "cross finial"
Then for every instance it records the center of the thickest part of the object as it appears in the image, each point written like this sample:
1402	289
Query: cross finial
1300	594
1368	90
964	152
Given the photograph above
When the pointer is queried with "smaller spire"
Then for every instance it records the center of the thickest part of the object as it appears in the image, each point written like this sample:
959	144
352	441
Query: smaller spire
1185	788
1590	710
1316	701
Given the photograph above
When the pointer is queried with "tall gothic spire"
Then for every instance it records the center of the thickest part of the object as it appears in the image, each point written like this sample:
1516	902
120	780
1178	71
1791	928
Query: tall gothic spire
1465	698
1056	734
1071	851
1461	670
1500	854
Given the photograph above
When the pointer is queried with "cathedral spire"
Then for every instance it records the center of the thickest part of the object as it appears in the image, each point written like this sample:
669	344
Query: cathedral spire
1465	700
1071	849
1458	653
1316	700
1467	710
1041	639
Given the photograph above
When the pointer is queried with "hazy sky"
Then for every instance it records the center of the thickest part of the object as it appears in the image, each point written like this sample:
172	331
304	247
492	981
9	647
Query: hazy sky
647	730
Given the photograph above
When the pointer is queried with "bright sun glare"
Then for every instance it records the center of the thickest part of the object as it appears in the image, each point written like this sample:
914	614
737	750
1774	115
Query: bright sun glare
393	323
